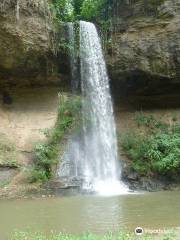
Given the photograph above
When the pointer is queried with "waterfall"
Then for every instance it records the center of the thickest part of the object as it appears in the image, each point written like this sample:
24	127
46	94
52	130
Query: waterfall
92	153
73	57
17	12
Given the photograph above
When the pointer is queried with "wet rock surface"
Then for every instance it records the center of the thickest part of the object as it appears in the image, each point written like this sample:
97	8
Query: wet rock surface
139	182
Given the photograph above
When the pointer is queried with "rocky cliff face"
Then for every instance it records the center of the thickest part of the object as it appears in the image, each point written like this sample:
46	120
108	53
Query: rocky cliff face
26	49
145	54
27	62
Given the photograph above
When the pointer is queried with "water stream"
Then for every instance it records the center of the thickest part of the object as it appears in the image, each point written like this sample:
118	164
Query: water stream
92	154
17	12
73	57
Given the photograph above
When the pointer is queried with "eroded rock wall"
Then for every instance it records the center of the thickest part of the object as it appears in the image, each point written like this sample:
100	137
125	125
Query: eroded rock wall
31	72
27	54
144	57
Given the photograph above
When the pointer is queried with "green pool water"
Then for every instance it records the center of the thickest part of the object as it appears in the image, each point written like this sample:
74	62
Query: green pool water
98	214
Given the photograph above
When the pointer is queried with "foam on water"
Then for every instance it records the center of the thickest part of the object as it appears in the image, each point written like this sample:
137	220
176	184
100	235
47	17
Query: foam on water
94	152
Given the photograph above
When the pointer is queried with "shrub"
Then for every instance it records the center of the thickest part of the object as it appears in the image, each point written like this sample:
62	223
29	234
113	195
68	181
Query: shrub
47	154
165	155
72	10
63	9
92	9
148	121
136	148
38	175
156	148
7	153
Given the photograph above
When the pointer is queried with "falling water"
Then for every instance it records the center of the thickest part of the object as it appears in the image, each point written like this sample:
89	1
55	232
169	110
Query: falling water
73	57
92	154
17	12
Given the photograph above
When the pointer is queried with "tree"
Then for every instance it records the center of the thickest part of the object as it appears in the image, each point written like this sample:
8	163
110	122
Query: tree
64	10
77	7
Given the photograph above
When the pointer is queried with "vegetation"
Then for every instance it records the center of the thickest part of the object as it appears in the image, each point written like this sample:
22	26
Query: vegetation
96	10
72	10
101	12
7	153
63	9
89	236
47	153
154	147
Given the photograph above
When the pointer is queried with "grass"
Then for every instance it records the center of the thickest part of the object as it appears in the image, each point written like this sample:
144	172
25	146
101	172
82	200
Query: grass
7	153
154	147
88	236
47	153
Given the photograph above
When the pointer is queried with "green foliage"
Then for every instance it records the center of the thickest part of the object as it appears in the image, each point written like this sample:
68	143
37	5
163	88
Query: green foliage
97	11
7	153
63	9
38	175
65	46
156	148
92	9
148	121
72	10
77	8
165	153
47	153
136	147
88	236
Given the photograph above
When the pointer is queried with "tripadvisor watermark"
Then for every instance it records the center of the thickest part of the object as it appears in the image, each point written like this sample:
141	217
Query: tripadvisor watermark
156	231
140	231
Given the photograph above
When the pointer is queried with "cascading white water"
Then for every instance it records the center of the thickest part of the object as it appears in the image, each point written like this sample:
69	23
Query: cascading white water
73	57
17	11
92	154
100	161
